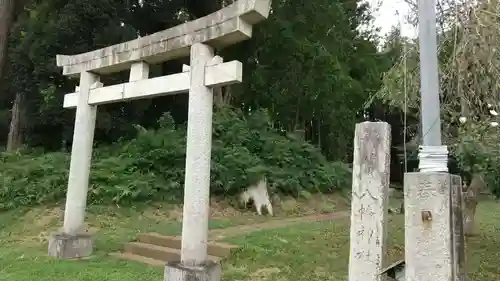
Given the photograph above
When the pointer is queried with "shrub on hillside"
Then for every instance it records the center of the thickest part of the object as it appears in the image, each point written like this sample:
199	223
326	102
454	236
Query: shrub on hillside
151	166
30	180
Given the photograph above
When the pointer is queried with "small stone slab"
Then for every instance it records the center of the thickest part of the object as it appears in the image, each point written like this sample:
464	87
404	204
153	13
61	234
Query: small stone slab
67	246
214	248
177	271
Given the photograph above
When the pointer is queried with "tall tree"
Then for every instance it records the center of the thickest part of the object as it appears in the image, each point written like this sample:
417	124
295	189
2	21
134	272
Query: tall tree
12	10
313	69
42	30
312	75
7	9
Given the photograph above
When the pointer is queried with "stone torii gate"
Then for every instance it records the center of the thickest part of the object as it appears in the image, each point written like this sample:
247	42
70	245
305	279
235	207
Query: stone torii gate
196	39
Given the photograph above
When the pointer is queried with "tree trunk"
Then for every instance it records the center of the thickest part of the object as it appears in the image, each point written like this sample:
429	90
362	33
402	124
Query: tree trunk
218	100
222	96
15	138
470	204
6	18
8	11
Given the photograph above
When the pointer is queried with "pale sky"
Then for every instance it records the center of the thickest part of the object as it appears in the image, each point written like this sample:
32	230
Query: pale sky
387	16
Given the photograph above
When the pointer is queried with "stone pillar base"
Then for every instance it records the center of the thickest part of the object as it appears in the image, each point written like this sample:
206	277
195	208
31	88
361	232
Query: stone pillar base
176	271
434	240
66	246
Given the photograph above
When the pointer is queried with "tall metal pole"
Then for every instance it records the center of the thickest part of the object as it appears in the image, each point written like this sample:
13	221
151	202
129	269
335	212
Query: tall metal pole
433	156
433	219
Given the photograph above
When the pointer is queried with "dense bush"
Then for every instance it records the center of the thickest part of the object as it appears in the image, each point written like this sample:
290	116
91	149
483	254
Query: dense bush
478	150
151	166
32	179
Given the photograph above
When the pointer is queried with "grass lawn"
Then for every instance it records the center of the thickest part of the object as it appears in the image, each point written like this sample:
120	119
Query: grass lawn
308	251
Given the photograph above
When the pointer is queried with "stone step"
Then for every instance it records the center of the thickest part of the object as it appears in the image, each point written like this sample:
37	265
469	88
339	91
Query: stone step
136	258
156	252
217	249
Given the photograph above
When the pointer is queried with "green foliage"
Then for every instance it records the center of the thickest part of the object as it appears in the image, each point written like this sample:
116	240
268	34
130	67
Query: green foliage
151	166
477	150
311	66
32	179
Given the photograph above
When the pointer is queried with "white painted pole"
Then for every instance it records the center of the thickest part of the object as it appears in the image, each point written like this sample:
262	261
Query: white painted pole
433	156
198	156
81	154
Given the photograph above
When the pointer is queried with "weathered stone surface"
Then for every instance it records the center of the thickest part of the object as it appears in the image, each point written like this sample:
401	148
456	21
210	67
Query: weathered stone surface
198	158
215	76
138	71
66	246
81	155
370	197
225	27
458	238
215	248
208	271
432	227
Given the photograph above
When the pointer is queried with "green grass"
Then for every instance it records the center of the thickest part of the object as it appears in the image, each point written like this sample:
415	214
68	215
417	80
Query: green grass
320	251
310	251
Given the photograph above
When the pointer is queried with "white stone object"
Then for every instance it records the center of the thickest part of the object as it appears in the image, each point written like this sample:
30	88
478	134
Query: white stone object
139	71
216	60
81	154
369	205
434	243
215	76
198	156
176	271
94	85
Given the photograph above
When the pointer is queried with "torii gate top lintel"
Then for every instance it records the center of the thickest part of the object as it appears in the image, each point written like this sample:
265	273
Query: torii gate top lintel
225	27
